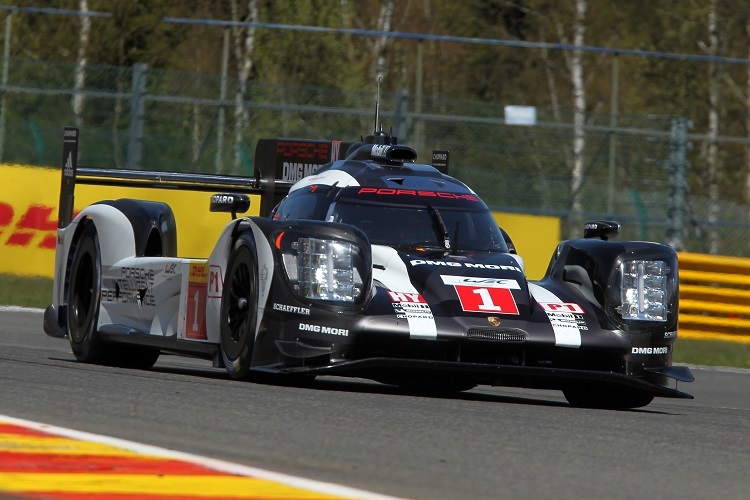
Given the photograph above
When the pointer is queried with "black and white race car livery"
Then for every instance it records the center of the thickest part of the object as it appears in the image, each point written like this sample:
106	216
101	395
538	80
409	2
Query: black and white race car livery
367	264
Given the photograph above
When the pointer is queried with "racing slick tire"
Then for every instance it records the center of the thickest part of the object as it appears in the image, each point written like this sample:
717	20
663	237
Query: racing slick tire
83	311
238	311
606	397
83	302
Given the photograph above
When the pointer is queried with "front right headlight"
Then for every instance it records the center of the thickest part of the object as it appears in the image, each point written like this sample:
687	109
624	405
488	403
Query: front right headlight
324	269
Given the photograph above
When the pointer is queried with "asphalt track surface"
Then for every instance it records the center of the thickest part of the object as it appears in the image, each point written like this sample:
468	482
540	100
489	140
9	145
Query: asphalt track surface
485	443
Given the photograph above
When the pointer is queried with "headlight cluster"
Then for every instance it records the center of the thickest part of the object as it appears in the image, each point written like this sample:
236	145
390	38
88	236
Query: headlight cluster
323	269
643	290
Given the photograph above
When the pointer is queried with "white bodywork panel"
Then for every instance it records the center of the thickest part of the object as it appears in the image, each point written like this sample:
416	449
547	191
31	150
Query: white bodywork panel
161	296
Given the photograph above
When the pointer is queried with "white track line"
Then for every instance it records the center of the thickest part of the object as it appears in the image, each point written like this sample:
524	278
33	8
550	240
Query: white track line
215	464
14	309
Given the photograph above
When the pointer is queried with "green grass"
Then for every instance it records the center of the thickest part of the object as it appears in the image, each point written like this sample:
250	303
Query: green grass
712	352
25	291
37	292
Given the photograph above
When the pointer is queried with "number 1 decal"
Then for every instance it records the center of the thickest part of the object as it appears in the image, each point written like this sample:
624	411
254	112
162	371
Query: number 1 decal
486	300
195	324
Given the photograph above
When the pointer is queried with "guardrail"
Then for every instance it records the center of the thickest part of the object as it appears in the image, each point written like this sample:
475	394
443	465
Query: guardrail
714	297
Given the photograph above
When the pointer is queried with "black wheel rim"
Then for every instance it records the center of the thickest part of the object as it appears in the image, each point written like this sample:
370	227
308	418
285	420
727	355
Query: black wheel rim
239	314
83	296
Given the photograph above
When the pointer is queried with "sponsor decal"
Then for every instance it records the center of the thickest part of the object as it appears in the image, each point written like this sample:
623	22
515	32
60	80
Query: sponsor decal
68	170
303	149
380	150
417	192
406	297
410	305
292	171
441	156
484	295
670	335
291	309
133	286
649	350
171	269
561	307
566	325
198	272
222	198
215	282
468	265
413	310
566	321
335	150
195	324
307	327
480	282
36	228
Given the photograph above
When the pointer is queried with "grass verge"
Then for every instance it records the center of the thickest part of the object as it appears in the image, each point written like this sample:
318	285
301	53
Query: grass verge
25	291
712	352
37	292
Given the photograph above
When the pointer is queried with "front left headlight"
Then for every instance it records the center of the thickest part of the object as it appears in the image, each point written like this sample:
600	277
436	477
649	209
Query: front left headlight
324	269
643	290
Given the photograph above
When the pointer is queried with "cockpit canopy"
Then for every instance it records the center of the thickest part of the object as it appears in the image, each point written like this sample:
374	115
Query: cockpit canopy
409	218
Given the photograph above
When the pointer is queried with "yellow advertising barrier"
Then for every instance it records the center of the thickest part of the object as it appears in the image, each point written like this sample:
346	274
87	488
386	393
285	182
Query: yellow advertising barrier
28	221
28	217
714	297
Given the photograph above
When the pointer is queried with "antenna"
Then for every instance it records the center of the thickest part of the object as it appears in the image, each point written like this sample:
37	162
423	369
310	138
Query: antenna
377	106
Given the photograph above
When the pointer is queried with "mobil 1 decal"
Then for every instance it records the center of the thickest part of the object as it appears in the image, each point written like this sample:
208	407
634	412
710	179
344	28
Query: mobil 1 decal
567	321
484	295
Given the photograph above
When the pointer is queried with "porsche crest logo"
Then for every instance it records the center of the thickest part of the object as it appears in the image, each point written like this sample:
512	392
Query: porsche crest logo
494	320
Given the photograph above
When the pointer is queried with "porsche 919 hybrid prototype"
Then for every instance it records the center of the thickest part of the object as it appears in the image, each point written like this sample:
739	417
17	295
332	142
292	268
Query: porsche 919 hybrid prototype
364	264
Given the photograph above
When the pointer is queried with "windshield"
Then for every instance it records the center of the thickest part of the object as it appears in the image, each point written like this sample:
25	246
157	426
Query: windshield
414	226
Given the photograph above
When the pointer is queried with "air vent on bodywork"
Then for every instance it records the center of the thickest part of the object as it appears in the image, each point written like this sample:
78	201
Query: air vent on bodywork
510	335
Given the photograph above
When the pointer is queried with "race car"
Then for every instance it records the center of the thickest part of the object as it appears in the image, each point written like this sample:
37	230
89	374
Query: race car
363	263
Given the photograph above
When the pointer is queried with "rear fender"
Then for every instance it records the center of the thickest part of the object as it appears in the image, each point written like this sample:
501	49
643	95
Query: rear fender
115	233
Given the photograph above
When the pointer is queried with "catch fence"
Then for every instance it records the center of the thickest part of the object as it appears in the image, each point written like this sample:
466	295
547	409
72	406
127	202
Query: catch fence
636	169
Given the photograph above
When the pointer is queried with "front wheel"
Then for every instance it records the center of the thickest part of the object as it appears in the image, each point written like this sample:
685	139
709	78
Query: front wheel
239	309
606	397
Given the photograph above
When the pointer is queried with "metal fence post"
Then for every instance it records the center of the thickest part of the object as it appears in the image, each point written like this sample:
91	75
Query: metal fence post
677	167
3	103
399	115
219	160
137	115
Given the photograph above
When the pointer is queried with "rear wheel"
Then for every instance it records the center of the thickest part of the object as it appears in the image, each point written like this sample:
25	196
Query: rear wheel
83	301
238	310
83	312
607	397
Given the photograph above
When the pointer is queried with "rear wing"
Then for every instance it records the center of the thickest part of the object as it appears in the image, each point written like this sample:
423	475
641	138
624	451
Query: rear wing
279	163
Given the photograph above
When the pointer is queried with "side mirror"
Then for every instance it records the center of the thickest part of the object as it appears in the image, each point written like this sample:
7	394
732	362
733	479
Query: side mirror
230	202
602	229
